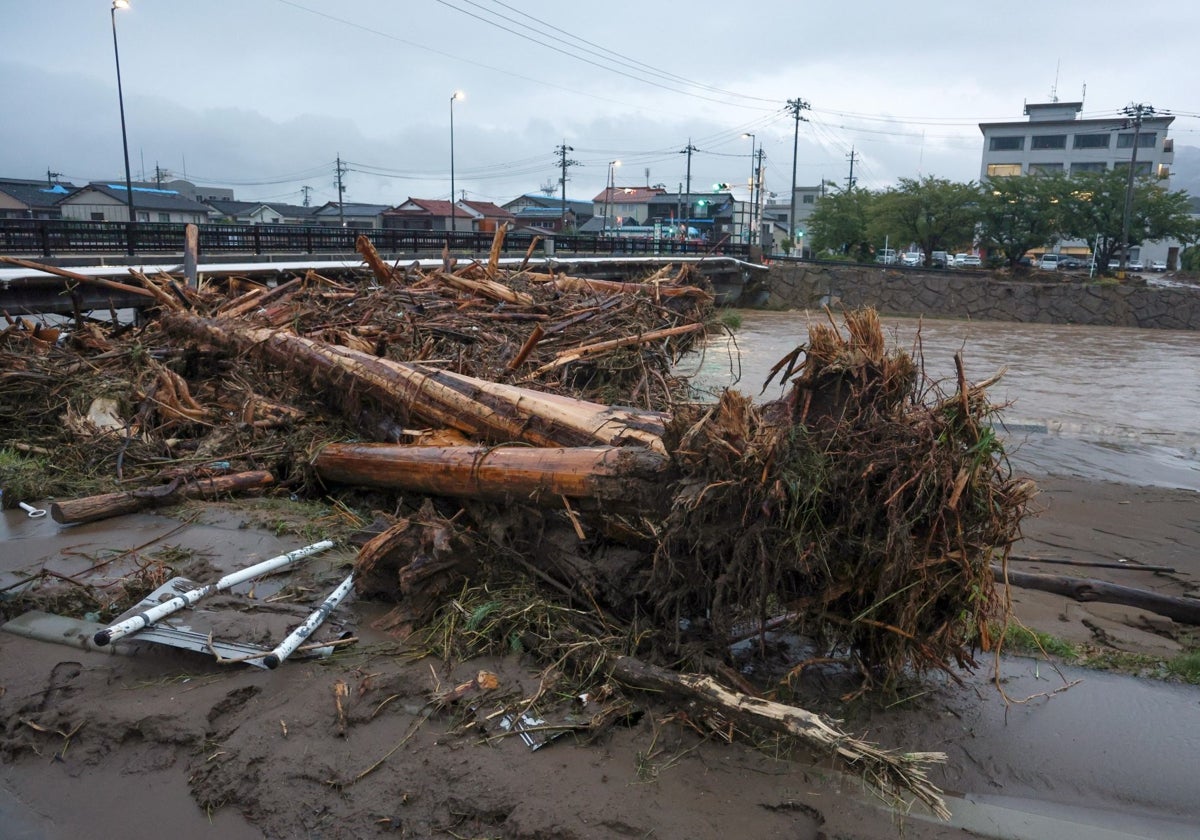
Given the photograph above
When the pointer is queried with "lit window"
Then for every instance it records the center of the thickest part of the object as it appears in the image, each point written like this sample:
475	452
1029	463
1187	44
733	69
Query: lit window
1003	170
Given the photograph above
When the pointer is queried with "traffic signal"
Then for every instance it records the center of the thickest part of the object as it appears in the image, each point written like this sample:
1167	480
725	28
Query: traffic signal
721	187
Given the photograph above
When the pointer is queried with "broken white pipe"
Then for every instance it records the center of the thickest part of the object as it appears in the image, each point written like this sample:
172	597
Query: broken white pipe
145	619
33	512
315	620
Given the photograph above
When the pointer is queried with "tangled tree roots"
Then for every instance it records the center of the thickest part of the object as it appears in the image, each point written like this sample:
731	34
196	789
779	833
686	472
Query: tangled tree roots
866	507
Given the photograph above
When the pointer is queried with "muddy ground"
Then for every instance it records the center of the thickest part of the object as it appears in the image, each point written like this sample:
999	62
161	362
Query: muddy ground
166	742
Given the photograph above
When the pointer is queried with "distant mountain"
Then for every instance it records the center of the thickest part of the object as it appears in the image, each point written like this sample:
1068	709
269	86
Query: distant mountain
1185	171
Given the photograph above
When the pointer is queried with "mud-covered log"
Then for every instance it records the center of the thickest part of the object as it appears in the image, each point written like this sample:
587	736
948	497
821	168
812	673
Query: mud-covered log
420	394
1186	610
91	508
616	477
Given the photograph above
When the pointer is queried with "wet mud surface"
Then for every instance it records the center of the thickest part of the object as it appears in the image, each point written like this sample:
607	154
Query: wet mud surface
167	740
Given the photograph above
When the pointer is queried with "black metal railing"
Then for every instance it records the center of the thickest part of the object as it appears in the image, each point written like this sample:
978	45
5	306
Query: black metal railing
39	238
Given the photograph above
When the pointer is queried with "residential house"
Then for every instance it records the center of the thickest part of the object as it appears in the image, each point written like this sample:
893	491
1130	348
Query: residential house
102	201
1055	139
775	214
487	216
260	213
428	214
351	215
549	214
625	205
187	189
717	216
23	199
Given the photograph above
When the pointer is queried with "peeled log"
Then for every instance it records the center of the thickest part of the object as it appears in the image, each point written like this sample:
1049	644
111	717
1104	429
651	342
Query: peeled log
418	393
617	477
1186	610
91	508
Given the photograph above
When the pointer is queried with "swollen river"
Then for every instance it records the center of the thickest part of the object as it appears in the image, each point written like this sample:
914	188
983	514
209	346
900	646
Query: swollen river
1104	403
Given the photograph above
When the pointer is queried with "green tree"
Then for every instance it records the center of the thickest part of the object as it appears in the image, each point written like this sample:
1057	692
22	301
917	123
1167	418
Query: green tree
838	224
1021	212
936	214
1093	209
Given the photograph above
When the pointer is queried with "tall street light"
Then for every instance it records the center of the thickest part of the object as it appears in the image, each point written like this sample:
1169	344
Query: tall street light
753	186
458	94
123	4
612	165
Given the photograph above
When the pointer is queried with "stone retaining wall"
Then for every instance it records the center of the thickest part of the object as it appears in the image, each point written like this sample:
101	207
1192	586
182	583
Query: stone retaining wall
984	296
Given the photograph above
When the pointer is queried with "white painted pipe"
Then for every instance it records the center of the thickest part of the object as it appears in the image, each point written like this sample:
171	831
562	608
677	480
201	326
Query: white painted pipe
315	620
34	513
145	619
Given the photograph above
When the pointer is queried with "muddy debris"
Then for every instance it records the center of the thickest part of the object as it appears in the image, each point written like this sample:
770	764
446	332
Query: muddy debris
539	481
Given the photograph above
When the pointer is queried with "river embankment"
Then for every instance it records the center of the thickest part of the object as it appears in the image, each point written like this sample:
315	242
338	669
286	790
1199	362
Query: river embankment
1035	297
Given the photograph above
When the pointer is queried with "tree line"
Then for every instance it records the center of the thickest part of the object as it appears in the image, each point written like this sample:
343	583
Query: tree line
1008	217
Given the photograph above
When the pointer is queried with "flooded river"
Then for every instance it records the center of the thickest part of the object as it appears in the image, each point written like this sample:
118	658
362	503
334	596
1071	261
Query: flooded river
1097	402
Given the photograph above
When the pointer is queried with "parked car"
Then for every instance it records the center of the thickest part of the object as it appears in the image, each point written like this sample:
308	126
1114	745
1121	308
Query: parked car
968	260
886	256
1158	265
940	259
1049	262
912	258
1136	265
1113	265
1071	262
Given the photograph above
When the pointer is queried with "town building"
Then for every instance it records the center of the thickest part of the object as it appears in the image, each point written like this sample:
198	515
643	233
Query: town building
259	213
548	213
1055	139
25	199
101	201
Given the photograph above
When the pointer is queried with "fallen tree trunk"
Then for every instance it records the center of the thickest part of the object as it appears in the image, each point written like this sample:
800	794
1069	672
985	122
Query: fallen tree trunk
422	394
890	772
1186	610
612	477
91	508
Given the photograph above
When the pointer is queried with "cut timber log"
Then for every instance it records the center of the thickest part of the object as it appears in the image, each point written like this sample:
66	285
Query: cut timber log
78	278
91	508
891	773
1186	610
418	393
618	477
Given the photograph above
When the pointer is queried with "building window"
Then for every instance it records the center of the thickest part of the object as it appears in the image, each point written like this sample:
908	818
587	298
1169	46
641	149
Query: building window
1143	167
1045	168
1092	166
143	215
164	217
1146	140
1091	141
810	199
1003	170
1007	144
97	217
1049	141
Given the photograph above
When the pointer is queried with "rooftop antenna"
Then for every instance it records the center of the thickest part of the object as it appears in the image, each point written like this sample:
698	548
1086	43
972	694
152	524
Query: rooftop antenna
1083	96
1054	89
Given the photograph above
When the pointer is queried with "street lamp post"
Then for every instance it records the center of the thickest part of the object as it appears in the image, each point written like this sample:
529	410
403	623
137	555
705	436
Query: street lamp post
458	94
123	4
753	187
612	165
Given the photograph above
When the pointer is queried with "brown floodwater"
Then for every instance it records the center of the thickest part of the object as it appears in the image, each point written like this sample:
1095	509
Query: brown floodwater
1097	402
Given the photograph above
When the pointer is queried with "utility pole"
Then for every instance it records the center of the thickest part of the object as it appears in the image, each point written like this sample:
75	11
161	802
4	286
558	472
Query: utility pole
1137	112
50	176
795	106
341	170
564	163
306	190
850	180
159	175
756	194
687	150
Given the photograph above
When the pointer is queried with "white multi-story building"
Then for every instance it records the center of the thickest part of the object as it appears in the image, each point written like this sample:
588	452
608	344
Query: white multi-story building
1056	139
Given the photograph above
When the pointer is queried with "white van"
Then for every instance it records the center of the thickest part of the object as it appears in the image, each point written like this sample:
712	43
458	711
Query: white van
1049	262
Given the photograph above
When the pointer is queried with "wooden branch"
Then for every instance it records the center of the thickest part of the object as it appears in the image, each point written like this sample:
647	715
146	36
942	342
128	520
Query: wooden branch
534	337
78	278
890	772
381	270
533	243
494	255
91	508
1186	610
617	476
574	354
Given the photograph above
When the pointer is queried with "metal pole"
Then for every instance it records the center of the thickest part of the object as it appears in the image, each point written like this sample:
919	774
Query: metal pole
753	184
112	12
1136	111
453	220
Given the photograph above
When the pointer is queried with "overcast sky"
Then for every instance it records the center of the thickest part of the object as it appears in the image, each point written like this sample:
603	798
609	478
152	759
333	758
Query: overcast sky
263	95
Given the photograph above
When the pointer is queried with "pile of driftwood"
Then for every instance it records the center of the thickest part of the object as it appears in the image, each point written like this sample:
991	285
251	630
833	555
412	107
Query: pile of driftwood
528	431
